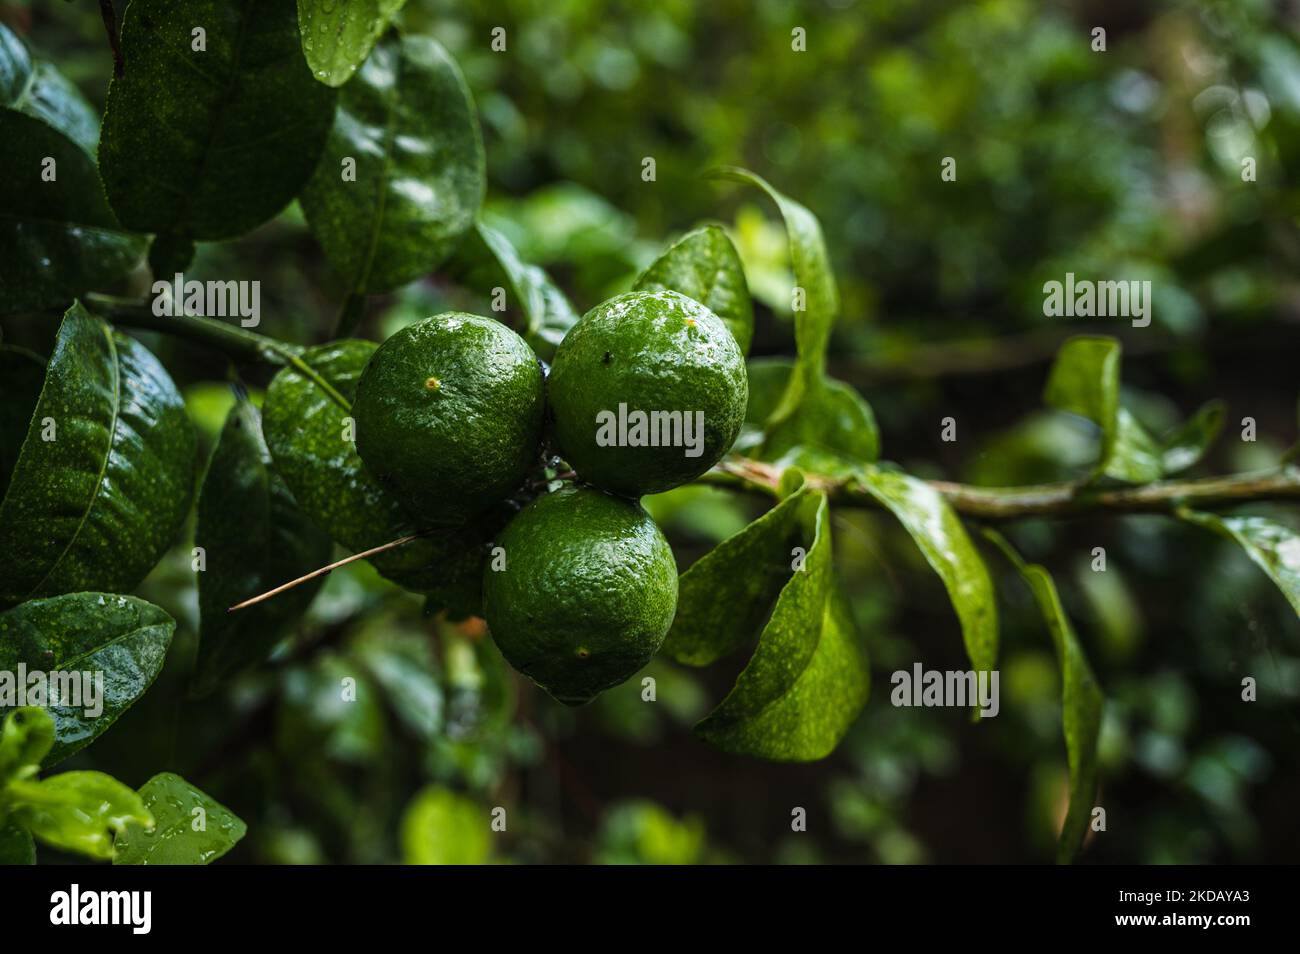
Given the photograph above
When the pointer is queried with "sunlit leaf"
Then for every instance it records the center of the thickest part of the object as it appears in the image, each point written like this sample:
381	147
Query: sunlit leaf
441	827
75	811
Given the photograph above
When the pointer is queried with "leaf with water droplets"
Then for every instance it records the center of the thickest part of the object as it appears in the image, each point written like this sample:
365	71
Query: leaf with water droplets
190	827
119	643
210	142
76	811
338	35
407	123
940	536
105	475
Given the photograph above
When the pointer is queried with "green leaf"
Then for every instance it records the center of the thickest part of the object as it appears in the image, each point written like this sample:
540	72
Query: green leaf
41	91
58	238
1084	380
403	667
1081	702
76	811
208	144
704	265
254	538
724	597
441	827
808	678
812	273
190	827
120	639
104	478
23	374
16	846
307	423
1189	442
1274	548
943	541
337	37
25	739
832	432
486	260
408	121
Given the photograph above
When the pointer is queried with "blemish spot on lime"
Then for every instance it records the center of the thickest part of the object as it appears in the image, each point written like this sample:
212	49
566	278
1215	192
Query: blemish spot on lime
432	383
583	652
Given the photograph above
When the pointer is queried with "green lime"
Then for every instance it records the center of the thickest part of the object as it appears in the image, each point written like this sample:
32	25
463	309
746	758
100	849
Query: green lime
581	593
449	413
648	391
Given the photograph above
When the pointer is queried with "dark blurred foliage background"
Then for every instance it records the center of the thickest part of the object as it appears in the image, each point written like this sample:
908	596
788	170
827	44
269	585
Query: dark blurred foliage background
1118	164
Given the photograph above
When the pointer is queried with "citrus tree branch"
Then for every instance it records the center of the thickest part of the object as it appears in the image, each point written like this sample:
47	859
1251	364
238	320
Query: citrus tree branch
747	475
234	342
238	344
1044	500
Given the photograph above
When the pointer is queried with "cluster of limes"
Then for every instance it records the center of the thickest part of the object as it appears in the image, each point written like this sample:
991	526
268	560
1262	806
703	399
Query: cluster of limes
455	412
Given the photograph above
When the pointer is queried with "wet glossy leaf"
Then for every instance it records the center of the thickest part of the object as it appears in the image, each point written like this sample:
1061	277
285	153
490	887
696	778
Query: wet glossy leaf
26	736
190	827
58	239
254	538
210	143
307	423
76	811
441	827
338	36
39	90
105	474
1084	380
1081	702
832	432
812	275
1189	442
704	265
16	846
808	678
939	534
542	314
724	597
120	640
407	120
1274	548
23	374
